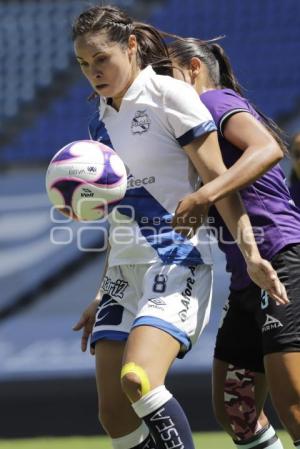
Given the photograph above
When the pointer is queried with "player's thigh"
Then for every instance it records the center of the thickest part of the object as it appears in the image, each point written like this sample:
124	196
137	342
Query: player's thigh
280	325
172	313
239	340
109	355
281	332
176	300
153	350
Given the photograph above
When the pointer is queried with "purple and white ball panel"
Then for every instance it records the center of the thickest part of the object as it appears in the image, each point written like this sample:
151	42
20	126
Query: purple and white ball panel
86	176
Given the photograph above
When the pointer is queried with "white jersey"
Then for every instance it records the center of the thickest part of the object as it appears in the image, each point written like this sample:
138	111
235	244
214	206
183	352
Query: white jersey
158	115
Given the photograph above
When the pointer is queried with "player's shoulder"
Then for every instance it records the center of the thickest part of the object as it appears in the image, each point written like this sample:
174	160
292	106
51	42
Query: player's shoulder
168	82
220	102
168	86
225	97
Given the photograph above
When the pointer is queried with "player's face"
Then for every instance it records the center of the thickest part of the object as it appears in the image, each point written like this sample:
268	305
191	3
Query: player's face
107	65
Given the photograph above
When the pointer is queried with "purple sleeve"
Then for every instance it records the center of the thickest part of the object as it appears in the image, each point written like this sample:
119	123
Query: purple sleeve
223	103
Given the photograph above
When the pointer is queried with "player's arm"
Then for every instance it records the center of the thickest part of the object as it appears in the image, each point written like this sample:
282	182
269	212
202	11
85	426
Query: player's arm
260	153
87	319
192	125
206	157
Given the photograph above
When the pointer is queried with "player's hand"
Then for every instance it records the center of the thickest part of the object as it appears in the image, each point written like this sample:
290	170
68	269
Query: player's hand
86	323
263	274
189	215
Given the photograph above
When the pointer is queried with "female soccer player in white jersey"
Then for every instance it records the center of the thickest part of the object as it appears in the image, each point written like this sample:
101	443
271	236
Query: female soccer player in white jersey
257	340
156	292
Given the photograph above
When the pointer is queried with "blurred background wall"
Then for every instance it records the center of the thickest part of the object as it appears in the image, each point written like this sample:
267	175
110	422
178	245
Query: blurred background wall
49	267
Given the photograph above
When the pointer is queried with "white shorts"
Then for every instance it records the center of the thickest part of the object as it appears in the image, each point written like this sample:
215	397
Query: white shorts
174	298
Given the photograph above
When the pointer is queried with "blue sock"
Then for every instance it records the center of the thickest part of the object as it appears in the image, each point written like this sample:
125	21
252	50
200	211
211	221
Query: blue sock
165	419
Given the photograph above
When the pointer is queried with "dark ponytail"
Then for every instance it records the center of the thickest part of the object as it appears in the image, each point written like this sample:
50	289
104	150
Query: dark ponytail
227	77
212	55
152	49
220	72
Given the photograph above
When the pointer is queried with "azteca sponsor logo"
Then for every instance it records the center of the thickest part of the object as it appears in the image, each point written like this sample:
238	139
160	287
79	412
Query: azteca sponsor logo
271	323
132	182
87	193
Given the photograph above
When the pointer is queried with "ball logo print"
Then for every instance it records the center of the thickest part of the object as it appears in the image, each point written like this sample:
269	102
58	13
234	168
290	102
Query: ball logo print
84	178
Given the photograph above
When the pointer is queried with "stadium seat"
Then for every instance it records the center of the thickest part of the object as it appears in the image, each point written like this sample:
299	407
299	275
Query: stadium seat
261	41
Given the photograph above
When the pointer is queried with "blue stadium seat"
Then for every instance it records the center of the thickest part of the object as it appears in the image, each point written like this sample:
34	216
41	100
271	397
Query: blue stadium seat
262	42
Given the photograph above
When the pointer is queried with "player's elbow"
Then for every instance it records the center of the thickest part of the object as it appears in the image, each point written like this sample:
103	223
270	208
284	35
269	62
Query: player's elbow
264	156
275	152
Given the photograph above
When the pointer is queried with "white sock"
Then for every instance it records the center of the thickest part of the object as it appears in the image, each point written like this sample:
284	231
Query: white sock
266	435
152	401
297	444
132	439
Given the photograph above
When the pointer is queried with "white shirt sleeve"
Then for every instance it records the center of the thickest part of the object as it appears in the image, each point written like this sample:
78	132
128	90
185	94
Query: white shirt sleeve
187	116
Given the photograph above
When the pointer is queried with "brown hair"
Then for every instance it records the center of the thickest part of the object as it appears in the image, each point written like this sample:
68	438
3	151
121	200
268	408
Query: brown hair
220	72
152	48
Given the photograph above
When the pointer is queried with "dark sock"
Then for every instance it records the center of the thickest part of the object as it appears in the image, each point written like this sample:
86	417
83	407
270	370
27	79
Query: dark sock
165	419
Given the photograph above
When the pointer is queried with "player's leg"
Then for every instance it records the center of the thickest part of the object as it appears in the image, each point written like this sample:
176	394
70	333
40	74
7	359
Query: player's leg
175	309
115	413
238	399
283	374
112	325
239	386
281	334
149	354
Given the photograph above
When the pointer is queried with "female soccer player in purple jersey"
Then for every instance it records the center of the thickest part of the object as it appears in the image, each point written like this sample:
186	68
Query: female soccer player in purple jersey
257	340
153	303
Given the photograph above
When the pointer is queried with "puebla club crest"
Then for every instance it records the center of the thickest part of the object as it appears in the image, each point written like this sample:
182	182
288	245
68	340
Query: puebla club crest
140	123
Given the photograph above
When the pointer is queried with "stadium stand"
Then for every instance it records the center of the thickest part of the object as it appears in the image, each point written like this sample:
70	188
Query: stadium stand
262	39
258	40
43	106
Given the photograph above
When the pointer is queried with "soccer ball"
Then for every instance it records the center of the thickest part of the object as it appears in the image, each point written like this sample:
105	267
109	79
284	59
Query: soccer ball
84	178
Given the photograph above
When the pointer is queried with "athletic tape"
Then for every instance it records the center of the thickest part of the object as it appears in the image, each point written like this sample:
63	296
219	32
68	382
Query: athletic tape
140	373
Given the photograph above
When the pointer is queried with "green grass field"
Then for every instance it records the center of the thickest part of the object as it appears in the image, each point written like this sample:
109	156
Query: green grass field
205	440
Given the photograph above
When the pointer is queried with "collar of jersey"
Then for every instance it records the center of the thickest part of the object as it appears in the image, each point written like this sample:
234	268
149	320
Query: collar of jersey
134	90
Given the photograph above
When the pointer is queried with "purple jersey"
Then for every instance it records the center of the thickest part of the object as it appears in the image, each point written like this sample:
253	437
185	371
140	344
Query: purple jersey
273	215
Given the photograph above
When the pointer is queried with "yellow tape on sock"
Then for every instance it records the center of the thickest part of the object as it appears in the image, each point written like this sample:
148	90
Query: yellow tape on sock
140	373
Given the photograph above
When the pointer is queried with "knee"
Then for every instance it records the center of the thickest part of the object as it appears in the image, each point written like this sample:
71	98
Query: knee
289	414
134	381
132	386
